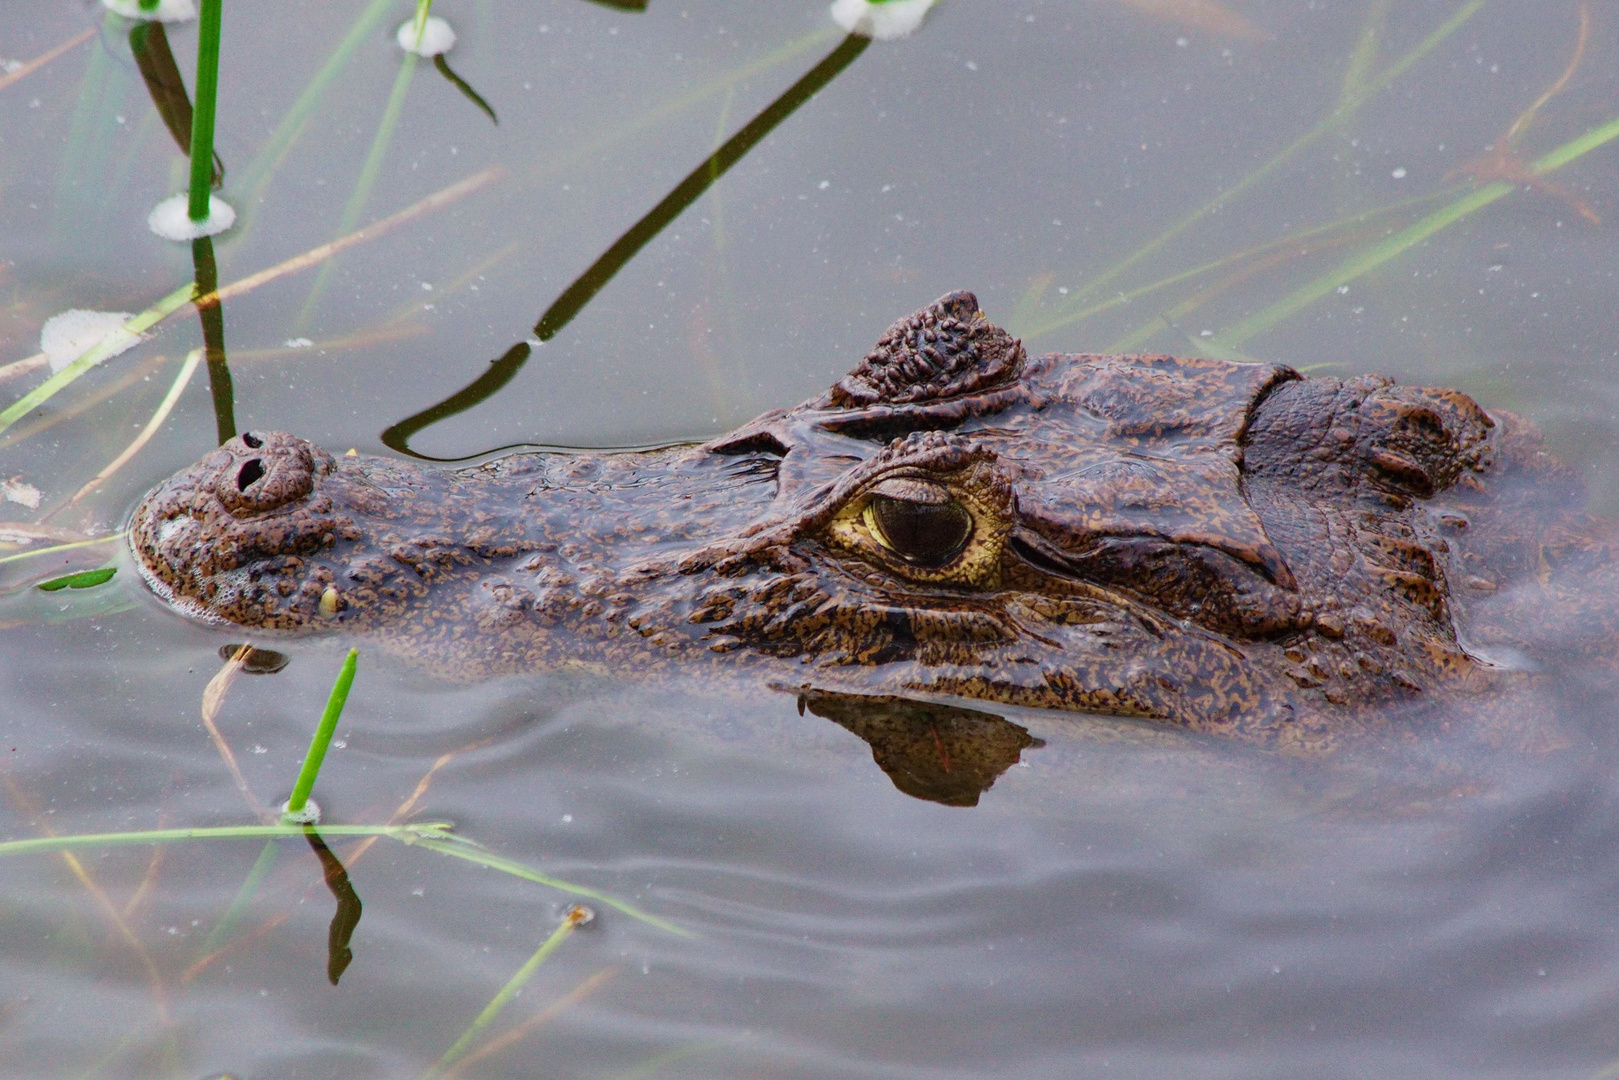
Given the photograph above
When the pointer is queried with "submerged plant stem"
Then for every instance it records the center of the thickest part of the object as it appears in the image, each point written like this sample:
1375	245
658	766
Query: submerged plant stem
258	171
1370	259
184	295
244	896
44	58
512	1036
571	921
367	179
164	407
1356	96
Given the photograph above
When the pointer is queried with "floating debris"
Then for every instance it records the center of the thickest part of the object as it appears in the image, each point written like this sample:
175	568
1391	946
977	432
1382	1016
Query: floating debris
162	11
308	814
171	219
255	661
84	579
884	20
66	337
15	490
435	38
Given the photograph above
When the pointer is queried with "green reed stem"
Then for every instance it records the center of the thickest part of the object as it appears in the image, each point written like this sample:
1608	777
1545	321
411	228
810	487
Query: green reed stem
323	735
1375	256
202	115
571	921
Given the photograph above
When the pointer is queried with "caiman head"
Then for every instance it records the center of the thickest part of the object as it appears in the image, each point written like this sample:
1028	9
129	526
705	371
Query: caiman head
1223	546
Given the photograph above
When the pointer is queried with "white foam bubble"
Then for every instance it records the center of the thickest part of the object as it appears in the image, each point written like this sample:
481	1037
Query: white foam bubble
66	337
309	815
436	37
166	10
884	20
171	219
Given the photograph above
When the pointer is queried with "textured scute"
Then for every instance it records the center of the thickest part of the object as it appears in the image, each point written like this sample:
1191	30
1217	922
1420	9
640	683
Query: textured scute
1225	547
946	350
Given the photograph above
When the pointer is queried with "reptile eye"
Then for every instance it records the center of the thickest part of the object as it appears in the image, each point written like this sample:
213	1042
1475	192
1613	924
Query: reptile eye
927	534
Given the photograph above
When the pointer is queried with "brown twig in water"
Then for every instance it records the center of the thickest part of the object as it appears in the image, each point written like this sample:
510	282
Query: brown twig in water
154	978
140	440
149	879
1505	163
405	808
23	366
212	698
44	58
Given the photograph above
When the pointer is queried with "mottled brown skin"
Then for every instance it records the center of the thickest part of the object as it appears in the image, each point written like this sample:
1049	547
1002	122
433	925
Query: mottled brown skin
1225	547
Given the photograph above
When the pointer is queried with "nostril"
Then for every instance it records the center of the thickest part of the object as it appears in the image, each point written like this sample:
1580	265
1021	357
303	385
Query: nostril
251	473
252	441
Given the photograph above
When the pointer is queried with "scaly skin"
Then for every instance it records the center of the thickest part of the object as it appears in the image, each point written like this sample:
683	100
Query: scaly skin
1225	547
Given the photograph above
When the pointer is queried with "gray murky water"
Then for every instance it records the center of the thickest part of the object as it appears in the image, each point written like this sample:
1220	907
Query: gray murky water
1112	909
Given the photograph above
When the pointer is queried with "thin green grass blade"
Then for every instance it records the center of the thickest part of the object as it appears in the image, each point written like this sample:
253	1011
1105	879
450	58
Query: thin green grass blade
97	353
323	736
504	996
1375	256
409	834
551	163
54	548
457	848
423	9
434	836
80	176
1146	330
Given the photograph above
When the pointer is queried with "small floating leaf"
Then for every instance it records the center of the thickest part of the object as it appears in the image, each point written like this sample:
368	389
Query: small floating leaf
84	579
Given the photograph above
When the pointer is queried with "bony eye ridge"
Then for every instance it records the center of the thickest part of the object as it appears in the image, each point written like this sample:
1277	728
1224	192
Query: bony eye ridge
927	533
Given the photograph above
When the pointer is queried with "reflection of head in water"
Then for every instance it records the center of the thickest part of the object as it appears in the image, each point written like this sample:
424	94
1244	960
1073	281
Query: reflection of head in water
942	753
